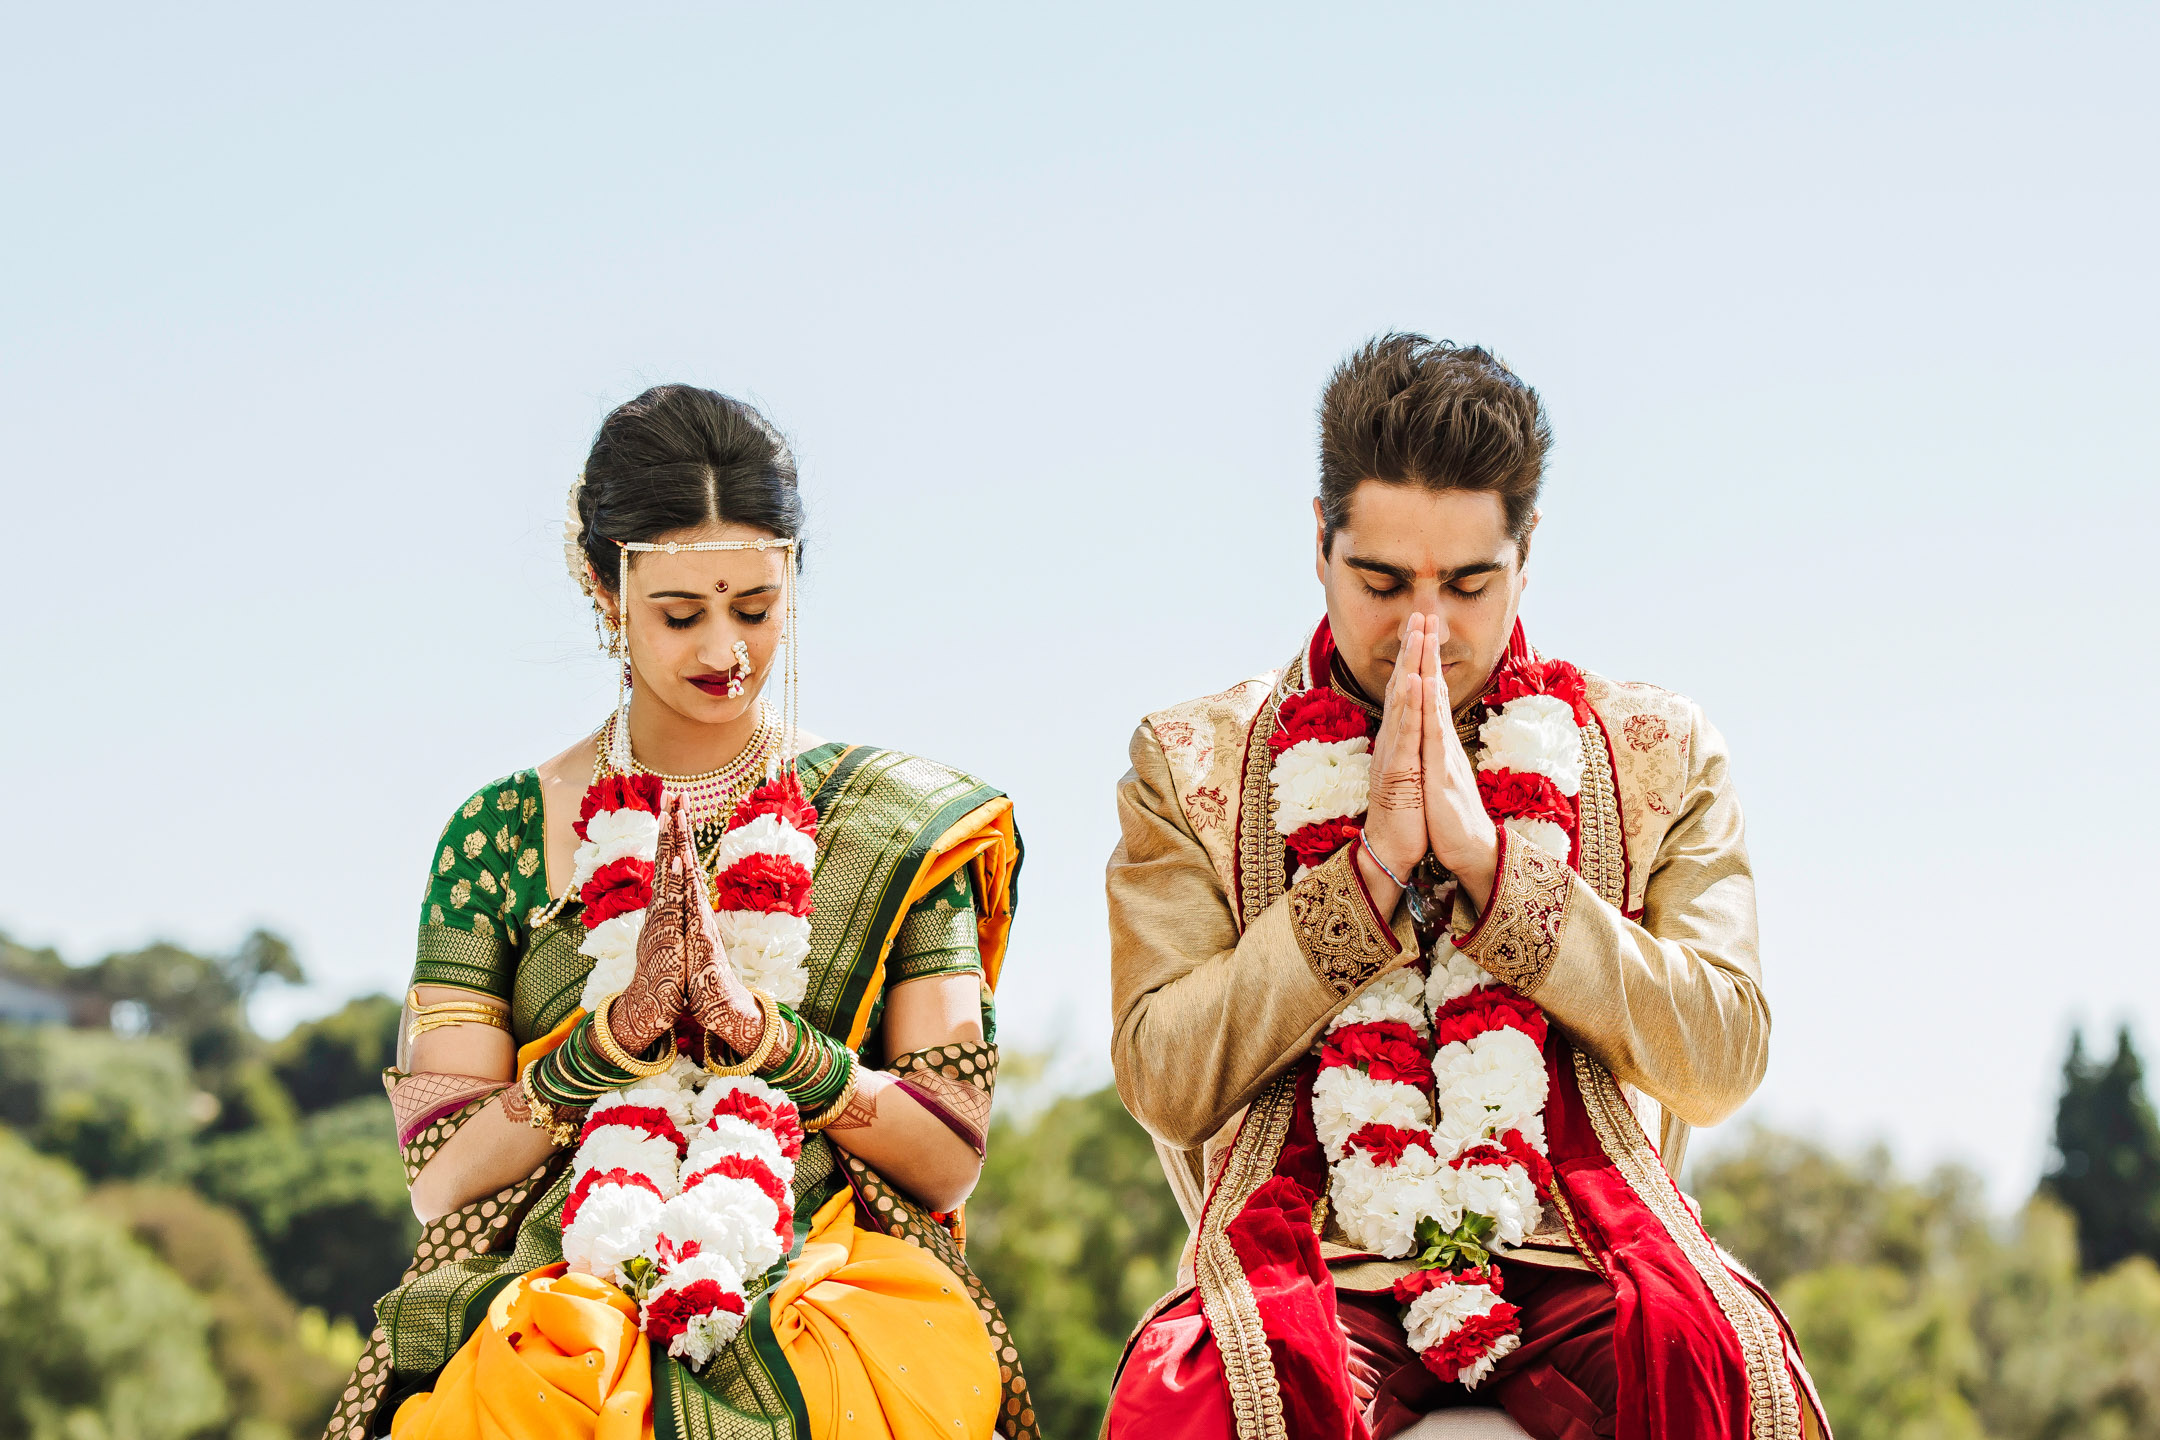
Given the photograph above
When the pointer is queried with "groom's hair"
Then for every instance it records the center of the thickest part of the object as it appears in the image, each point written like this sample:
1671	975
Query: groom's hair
1405	410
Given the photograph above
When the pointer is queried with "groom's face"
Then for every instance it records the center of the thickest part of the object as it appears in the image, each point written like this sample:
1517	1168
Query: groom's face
1405	549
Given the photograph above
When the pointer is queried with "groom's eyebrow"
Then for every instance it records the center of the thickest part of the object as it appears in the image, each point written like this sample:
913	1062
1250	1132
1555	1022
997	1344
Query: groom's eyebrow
1381	567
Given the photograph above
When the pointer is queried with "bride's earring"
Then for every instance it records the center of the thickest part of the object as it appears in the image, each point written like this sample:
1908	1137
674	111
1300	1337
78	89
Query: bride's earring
742	671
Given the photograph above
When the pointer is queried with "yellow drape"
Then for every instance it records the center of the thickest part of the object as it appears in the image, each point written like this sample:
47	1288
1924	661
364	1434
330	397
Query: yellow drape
880	1334
882	1337
559	1357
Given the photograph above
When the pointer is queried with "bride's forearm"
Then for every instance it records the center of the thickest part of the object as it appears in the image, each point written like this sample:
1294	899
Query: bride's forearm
490	1152
892	1132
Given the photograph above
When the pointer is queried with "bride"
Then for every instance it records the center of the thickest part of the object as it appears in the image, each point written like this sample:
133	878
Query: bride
698	1055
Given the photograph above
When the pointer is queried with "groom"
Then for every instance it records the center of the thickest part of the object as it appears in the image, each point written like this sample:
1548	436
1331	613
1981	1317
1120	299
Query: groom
1292	845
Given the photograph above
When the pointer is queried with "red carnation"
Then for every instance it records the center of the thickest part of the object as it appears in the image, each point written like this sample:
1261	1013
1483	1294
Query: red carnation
617	888
1388	1143
670	1312
1314	843
1489	1007
769	884
1417	1282
1556	678
1524	795
1384	1049
758	1173
651	1119
1524	1154
592	1179
618	792
783	1121
1317	714
782	798
1472	1341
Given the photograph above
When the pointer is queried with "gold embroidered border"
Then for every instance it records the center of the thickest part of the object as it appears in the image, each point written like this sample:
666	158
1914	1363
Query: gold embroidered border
1335	927
1604	853
1773	1408
1519	939
1226	1296
1260	849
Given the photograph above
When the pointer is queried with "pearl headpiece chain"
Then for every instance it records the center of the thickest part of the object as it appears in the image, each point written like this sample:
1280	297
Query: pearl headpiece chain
790	700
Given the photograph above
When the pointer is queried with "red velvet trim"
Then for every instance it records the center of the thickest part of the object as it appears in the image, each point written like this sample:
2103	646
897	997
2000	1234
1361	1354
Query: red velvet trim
1499	869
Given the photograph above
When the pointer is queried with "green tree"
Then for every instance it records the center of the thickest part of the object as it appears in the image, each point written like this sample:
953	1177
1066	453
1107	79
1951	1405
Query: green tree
339	1057
1075	1231
201	1001
278	1388
2107	1155
115	1106
326	1201
98	1339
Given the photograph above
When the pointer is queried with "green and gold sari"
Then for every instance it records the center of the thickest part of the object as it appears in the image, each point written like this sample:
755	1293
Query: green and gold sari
915	877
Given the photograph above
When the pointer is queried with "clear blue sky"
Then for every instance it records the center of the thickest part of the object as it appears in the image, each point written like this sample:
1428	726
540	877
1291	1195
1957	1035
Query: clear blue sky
1844	315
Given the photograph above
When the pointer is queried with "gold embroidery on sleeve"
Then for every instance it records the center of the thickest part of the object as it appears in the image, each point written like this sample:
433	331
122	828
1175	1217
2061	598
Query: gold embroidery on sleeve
1520	938
1343	941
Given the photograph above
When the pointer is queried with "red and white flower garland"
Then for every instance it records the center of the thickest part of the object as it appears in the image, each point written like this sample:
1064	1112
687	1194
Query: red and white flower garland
682	1182
1431	1092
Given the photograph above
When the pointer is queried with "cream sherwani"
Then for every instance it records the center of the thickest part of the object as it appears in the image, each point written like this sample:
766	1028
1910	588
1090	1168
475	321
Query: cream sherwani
1666	992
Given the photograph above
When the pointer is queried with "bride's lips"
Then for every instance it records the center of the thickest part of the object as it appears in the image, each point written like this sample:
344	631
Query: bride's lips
710	684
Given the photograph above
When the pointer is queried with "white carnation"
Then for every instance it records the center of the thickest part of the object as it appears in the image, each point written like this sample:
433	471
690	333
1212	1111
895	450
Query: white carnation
615	1223
1495	1081
1441	1311
662	1091
733	1135
1535	735
1398	995
1542	833
1504	1192
1346	1099
1379	1206
619	1147
612	944
1453	974
768	951
614	835
766	835
1317	780
732	1219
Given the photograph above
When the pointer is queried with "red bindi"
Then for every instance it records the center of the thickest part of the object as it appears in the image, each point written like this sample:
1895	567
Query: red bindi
721	588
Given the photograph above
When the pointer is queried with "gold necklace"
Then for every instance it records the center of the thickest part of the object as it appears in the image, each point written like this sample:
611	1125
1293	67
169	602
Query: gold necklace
711	797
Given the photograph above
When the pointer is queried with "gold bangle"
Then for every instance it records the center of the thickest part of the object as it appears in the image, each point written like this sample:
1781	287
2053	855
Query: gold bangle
840	1102
768	1042
436	1020
611	1050
545	1117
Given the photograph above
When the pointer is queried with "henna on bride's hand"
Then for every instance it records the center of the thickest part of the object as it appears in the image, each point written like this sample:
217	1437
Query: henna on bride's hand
516	1107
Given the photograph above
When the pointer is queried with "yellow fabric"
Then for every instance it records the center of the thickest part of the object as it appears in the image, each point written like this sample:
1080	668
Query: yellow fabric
548	1043
984	838
883	1338
559	1357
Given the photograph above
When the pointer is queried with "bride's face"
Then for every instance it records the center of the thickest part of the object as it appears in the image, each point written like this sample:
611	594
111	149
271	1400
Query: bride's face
687	611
